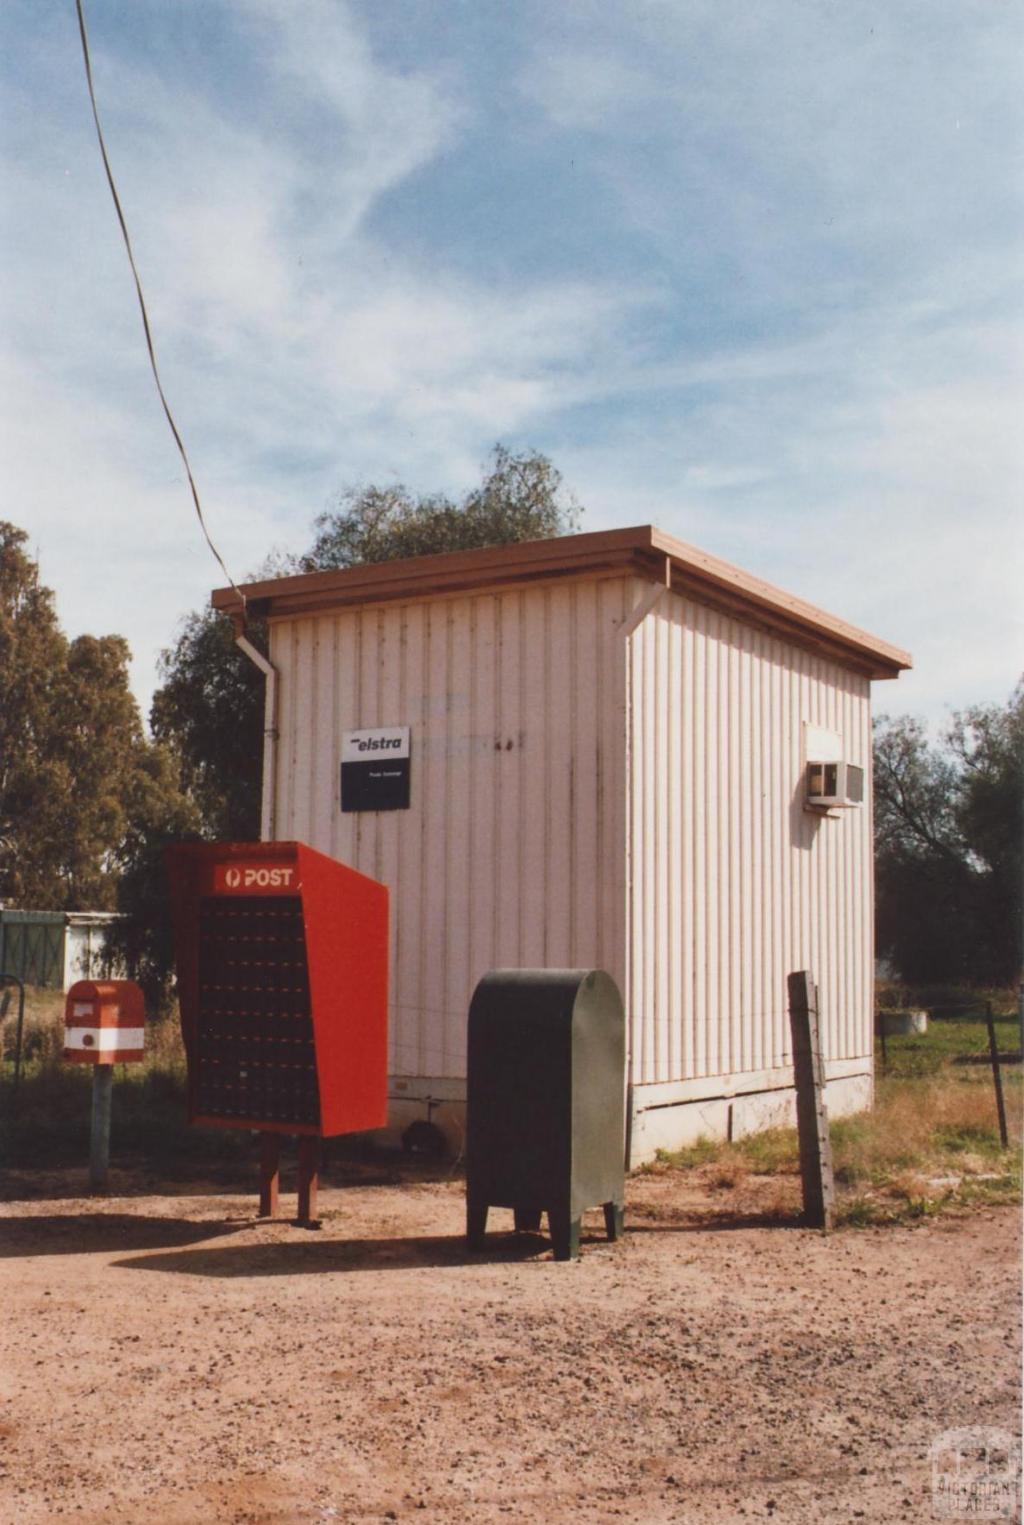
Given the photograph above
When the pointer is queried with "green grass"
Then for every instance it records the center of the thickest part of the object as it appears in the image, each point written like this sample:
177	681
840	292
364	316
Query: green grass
45	1122
962	1039
929	1145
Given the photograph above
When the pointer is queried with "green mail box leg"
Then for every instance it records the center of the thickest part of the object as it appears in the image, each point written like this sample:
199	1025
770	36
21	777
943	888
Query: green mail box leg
613	1219
565	1235
476	1222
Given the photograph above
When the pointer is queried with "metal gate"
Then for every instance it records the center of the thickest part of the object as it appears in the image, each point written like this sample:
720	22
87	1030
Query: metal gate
32	946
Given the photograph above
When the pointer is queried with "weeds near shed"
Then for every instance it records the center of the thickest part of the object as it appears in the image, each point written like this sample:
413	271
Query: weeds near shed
47	1123
930	1145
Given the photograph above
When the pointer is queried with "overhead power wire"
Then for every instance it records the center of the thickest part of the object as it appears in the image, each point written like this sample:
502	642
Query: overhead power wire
142	307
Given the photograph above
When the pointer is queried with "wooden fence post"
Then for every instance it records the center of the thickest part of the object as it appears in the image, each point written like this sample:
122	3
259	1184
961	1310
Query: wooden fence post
993	1048
811	1112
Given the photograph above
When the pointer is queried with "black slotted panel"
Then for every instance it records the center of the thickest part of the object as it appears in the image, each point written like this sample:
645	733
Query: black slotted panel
255	1051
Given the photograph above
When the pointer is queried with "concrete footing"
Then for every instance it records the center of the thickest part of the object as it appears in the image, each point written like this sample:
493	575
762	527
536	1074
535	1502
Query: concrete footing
664	1122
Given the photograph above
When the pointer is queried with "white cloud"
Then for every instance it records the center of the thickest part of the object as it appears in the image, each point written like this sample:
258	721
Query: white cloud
888	492
281	331
579	89
854	440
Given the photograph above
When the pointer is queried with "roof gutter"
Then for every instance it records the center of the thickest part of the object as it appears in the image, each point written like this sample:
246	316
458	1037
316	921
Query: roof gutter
641	550
268	822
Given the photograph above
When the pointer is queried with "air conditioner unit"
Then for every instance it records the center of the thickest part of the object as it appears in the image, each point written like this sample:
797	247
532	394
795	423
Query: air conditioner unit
834	785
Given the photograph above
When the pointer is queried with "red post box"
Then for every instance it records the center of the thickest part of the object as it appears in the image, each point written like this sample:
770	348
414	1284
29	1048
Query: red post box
104	1025
282	963
104	1022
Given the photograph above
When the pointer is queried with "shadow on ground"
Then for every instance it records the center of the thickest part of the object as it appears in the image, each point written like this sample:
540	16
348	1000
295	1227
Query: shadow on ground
715	1221
93	1233
314	1257
138	1177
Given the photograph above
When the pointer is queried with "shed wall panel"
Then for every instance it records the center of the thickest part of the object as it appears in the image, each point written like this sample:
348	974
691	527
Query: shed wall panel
512	851
732	883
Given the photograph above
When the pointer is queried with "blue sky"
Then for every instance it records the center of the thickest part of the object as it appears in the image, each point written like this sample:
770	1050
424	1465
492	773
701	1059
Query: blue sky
751	273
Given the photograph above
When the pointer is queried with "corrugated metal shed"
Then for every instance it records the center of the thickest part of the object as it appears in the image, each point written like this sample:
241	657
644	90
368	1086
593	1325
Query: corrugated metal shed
607	761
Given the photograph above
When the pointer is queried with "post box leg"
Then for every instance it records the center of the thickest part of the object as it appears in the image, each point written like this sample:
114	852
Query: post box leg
476	1221
613	1219
99	1132
565	1234
309	1167
527	1219
270	1173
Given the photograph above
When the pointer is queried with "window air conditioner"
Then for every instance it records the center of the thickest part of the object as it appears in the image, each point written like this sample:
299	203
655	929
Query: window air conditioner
834	785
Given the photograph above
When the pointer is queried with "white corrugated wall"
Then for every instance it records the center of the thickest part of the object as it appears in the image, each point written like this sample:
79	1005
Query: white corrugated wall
683	863
732	883
512	853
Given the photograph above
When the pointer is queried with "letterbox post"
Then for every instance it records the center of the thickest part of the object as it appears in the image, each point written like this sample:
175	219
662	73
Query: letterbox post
99	1131
270	1173
104	1023
309	1166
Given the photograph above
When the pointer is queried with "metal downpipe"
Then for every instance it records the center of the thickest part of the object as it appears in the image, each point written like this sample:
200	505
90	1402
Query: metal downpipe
268	812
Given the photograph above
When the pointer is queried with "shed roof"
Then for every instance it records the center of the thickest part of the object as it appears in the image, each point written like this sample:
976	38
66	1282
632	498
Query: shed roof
642	550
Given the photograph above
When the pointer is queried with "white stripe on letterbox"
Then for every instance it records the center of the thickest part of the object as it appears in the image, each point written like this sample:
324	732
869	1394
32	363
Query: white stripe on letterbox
105	1040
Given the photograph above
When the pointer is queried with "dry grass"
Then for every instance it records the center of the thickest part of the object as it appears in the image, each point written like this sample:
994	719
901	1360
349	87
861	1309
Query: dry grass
930	1144
43	1027
164	1048
919	1124
46	1120
43	1034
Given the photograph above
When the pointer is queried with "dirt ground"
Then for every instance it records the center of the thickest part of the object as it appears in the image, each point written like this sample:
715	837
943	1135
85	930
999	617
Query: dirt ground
165	1358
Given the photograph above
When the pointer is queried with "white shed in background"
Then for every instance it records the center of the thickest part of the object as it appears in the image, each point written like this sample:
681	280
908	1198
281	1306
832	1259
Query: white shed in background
53	949
591	752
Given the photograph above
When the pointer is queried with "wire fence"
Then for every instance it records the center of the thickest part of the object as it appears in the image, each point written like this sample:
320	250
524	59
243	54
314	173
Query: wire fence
958	1034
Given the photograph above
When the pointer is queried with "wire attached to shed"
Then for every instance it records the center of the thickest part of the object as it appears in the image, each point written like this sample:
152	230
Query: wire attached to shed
142	307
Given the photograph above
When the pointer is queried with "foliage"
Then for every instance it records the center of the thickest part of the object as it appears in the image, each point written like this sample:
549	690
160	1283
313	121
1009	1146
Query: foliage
949	845
209	709
73	756
32	653
210	705
159	812
518	500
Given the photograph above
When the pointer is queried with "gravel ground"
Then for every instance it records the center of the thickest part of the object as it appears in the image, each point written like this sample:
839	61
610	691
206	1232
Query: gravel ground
166	1358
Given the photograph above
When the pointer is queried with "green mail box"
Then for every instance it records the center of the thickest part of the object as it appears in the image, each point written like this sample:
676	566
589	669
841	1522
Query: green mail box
545	1101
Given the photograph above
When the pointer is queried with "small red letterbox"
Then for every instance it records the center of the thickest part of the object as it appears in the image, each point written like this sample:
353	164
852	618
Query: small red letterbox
282	963
104	1022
